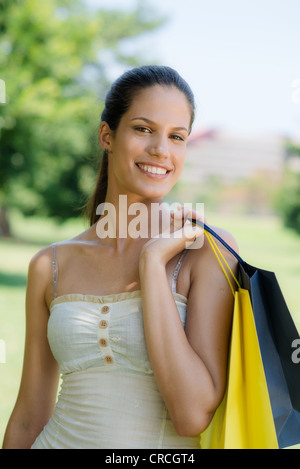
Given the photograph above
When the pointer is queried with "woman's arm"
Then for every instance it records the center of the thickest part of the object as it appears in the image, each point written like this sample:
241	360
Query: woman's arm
189	366
38	388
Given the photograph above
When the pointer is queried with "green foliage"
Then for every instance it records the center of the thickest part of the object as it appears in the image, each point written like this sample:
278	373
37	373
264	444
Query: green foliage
289	201
53	58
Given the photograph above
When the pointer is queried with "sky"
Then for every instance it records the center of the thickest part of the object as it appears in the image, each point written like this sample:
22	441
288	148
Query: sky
241	58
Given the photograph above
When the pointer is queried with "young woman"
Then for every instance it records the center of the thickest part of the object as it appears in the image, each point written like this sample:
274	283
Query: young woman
137	326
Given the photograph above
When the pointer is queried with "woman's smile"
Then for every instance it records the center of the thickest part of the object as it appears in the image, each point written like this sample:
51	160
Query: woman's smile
153	171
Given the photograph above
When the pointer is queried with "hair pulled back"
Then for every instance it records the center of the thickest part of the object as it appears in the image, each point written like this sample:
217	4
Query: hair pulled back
119	99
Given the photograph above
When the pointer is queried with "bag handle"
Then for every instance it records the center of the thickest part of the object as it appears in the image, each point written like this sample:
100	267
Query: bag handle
212	232
220	258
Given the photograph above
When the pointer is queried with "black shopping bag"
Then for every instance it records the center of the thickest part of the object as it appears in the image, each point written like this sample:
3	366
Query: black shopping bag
276	333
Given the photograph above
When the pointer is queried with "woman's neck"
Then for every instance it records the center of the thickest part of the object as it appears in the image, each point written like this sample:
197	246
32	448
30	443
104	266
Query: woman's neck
128	218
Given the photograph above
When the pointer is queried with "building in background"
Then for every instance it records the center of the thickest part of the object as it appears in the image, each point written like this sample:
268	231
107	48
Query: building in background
231	157
235	173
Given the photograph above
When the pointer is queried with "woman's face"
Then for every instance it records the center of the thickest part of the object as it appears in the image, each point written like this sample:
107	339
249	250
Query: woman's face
147	151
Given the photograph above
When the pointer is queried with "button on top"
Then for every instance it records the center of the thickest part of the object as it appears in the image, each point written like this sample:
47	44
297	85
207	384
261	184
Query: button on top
105	309
103	342
108	359
103	324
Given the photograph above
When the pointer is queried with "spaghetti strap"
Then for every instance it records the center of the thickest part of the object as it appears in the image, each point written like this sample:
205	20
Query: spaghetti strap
54	268
177	269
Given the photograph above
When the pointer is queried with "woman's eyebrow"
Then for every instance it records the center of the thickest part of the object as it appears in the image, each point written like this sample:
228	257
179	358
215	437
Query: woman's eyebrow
153	123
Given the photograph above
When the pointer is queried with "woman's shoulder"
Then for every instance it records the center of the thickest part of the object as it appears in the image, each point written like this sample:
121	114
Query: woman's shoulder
205	253
50	258
227	236
45	255
205	266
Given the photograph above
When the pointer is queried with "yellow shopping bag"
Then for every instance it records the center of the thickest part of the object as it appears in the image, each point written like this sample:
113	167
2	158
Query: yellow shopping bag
244	419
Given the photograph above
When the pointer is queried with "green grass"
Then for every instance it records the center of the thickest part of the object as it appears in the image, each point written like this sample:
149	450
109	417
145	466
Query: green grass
262	241
15	254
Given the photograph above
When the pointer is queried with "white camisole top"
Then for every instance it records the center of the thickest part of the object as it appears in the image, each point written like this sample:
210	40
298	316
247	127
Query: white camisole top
108	396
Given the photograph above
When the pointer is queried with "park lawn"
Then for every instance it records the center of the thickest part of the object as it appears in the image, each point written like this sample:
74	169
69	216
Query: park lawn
262	241
15	254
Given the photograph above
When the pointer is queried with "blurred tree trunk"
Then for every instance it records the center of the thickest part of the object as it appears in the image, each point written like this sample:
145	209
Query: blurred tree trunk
4	223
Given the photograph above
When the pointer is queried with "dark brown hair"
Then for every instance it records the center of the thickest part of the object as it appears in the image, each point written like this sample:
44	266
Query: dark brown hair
118	101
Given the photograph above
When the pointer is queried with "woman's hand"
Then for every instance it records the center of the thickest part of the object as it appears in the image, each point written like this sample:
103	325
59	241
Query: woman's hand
181	234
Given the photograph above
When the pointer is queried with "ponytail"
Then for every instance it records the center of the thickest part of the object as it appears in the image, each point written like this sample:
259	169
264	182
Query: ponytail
99	194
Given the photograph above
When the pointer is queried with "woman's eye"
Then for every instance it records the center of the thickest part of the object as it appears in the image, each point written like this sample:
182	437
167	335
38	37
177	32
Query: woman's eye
177	137
140	128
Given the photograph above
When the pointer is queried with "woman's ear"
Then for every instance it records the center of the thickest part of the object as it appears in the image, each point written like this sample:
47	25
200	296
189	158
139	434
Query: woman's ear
105	136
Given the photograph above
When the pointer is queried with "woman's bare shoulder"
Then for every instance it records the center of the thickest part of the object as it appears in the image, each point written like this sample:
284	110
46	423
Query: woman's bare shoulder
42	258
227	236
204	257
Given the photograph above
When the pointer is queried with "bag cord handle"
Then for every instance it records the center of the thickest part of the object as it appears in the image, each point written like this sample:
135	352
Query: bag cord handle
220	258
212	232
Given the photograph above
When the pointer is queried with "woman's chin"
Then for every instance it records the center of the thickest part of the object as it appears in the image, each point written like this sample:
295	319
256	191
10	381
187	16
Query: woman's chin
152	194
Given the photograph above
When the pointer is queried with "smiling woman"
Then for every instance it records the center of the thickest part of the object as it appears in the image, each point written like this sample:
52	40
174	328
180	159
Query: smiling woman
147	154
123	103
137	326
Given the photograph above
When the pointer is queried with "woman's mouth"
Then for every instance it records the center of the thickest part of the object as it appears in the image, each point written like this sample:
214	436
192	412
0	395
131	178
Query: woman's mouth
152	170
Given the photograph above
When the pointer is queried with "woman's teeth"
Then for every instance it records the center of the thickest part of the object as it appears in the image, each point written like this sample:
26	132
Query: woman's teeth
152	169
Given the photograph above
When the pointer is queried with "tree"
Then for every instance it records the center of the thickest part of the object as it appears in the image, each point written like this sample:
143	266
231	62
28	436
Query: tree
53	58
289	196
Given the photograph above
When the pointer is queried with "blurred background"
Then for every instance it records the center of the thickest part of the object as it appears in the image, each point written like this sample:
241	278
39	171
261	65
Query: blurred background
57	60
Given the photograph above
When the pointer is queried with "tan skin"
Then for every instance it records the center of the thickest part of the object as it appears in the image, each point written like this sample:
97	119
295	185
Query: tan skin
189	366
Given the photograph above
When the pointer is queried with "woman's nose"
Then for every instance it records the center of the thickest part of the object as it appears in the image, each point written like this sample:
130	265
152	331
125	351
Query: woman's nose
159	147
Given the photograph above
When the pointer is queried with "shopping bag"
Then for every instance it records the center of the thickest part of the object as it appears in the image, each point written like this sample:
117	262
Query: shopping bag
276	334
244	419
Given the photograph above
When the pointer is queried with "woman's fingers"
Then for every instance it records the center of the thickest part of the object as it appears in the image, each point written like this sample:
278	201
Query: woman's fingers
180	234
183	214
193	234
